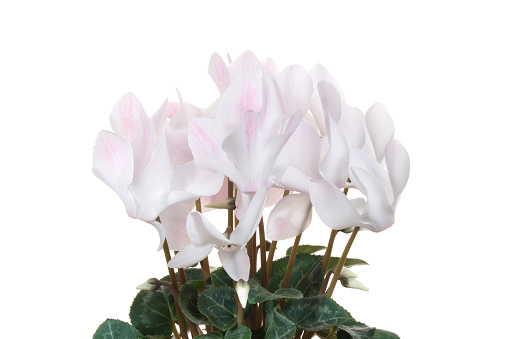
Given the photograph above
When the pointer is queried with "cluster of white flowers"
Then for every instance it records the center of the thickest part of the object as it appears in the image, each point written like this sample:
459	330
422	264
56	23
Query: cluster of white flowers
268	131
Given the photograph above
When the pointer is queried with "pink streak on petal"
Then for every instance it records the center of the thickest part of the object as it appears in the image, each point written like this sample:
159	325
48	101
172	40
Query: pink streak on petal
203	138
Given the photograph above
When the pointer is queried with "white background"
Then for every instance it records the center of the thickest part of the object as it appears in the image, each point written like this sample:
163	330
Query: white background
70	256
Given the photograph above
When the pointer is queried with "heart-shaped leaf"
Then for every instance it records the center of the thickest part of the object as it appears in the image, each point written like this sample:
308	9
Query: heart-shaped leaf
218	305
116	329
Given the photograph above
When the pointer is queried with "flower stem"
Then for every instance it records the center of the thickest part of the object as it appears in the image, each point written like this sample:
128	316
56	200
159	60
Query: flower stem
326	256
263	260
341	262
291	261
173	279
230	195
332	333
270	258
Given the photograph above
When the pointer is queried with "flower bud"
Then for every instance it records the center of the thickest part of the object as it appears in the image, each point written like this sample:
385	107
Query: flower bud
346	273
227	204
353	283
242	288
149	285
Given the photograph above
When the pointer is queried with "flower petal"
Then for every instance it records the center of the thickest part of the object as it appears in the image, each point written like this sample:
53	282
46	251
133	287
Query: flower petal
398	166
295	89
380	127
174	222
113	164
235	262
178	147
189	256
202	232
361	159
351	126
378	214
152	186
290	217
295	180
332	206
195	180
245	64
218	71
161	231
250	220
303	149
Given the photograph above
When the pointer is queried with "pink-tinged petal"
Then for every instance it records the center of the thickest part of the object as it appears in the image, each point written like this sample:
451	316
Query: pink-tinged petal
172	109
245	149
113	164
380	127
378	211
202	232
295	89
270	64
351	126
332	206
319	73
244	94
174	220
250	220
303	148
161	231
205	139
152	186
159	122
219	196
184	114
290	217
398	166
189	256
274	194
245	64
235	262
129	120
178	147
272	113
196	180
242	203
295	180
218	71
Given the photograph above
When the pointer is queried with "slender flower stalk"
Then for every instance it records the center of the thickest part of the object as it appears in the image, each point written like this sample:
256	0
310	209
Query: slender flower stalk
263	260
328	251
341	262
270	258
173	279
230	195
240	309
291	261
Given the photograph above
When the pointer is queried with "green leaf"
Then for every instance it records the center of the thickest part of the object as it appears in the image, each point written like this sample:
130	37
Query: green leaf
151	312
238	332
277	326
221	278
218	305
258	294
306	249
349	262
213	335
188	301
193	276
381	334
317	313
116	329
358	331
307	275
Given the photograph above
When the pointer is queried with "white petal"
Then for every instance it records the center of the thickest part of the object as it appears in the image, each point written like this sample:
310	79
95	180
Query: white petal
334	165
332	206
380	128
295	88
274	194
242	288
295	180
351	126
202	232
361	159
219	72
330	100
398	166
303	149
161	231
290	217
189	256
184	114
113	164
245	64
195	180
178	148
174	222
152	186
159	122
235	262
249	222
270	64
378	212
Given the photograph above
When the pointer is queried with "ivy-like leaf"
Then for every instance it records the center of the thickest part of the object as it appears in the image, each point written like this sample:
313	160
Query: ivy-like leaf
188	301
306	277
221	278
349	262
306	249
358	331
213	335
218	305
382	334
151	312
238	332
258	294
317	313
277	326
193	276
116	329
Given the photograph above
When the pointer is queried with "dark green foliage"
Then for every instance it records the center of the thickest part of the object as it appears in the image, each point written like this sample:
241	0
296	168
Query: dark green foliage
218	305
116	329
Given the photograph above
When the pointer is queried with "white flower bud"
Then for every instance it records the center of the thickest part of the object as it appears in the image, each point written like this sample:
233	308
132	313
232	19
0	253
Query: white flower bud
148	285
242	288
346	273
353	283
